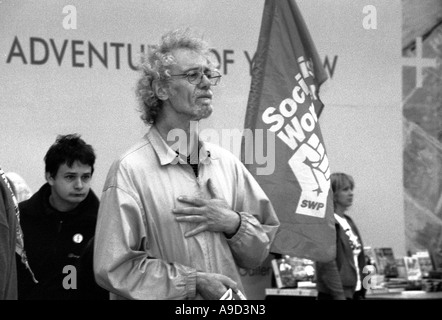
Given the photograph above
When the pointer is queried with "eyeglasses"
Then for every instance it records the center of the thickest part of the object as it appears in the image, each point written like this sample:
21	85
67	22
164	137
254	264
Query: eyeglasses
195	77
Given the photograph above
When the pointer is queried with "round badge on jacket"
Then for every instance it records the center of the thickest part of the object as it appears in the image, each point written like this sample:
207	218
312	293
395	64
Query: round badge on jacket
77	238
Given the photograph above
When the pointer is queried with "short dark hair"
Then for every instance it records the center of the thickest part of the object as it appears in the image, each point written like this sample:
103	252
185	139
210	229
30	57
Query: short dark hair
66	150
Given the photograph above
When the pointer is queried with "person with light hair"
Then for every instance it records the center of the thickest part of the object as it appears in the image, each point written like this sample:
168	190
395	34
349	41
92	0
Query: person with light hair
178	221
342	278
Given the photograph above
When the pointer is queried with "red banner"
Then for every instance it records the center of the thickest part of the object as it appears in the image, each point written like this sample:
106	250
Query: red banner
284	105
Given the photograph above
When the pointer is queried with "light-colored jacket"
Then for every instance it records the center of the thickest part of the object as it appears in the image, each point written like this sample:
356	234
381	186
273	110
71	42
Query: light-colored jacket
141	251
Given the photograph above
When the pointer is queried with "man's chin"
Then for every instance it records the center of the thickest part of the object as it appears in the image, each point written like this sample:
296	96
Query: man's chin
203	114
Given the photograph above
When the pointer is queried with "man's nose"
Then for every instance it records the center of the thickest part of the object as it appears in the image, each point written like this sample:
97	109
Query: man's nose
78	183
205	81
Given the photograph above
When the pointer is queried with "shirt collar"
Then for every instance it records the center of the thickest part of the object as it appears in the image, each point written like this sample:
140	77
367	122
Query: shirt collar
167	155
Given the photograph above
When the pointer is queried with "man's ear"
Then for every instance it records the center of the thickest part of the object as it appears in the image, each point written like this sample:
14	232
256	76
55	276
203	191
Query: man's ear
161	91
49	179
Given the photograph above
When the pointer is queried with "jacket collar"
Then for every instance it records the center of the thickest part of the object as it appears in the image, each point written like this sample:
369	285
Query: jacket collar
167	155
39	204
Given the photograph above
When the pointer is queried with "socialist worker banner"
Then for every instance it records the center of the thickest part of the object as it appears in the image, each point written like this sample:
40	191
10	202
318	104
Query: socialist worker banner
284	105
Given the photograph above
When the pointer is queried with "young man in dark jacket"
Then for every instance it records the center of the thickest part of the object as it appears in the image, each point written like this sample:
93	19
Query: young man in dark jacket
58	221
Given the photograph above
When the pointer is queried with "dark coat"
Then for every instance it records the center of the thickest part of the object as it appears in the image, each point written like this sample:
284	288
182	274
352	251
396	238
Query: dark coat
54	242
338	277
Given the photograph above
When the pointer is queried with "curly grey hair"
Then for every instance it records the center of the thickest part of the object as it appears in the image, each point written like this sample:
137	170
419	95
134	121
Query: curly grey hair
155	65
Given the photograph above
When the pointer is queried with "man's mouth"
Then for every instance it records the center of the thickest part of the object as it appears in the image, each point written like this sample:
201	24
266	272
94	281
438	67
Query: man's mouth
78	195
204	95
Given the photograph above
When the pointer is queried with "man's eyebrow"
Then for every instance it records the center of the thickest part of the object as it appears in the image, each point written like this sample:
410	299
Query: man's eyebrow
76	173
191	69
197	69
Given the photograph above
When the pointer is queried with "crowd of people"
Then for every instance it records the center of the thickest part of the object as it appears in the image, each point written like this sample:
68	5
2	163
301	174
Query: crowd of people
171	223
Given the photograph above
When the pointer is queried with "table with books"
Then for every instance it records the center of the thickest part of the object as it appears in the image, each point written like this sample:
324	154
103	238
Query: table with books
411	277
306	290
406	295
293	279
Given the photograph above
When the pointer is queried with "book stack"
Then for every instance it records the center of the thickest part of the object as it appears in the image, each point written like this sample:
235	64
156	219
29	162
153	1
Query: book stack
396	284
412	268
386	262
432	285
289	271
425	263
395	274
400	265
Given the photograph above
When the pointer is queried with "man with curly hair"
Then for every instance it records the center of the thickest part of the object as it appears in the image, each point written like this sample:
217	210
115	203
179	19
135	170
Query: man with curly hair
177	219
